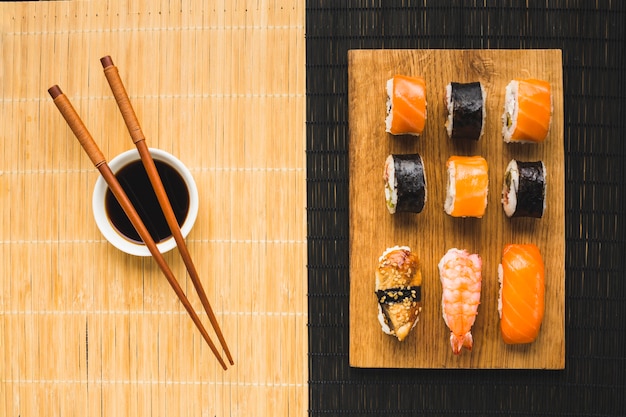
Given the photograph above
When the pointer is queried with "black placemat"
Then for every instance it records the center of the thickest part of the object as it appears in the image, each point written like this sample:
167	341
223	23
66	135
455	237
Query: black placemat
592	35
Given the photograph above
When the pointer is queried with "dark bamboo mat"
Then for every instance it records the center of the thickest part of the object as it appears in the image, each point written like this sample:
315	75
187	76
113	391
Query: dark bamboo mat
592	36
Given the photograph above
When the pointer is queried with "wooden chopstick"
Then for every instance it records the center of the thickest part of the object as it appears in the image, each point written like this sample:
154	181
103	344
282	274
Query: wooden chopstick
132	123
97	157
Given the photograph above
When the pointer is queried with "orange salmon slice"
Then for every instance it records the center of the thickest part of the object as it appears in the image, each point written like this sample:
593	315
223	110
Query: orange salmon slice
408	105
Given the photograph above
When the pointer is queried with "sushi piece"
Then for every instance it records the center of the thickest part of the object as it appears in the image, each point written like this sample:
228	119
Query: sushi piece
524	189
405	183
398	289
521	302
406	105
461	279
527	111
468	185
466	110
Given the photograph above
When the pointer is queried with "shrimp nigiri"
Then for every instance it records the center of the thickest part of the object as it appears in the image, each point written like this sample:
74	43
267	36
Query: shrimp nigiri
527	111
461	279
468	185
406	105
522	289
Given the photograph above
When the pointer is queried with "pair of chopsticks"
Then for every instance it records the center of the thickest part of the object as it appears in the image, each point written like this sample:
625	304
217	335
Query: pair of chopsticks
97	157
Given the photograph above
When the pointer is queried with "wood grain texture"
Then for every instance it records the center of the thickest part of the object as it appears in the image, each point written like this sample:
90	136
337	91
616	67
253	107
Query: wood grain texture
432	233
86	330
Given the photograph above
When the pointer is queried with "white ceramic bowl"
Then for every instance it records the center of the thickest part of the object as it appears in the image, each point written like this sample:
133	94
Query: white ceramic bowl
108	230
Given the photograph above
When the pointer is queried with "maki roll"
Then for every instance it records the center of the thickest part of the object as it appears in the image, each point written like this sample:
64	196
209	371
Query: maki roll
466	110
524	189
405	183
398	289
527	111
521	302
406	105
468	185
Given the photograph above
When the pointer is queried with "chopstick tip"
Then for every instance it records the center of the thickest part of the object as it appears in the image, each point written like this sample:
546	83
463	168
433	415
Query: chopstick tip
106	61
55	91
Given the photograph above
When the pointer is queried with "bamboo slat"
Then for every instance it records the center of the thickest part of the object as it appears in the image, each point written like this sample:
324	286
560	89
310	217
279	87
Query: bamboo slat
88	330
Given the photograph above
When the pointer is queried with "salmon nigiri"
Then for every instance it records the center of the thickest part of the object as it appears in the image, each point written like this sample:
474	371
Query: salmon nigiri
468	184
406	105
527	111
522	290
461	279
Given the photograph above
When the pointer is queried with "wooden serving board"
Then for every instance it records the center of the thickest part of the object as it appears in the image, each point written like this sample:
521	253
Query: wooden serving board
432	232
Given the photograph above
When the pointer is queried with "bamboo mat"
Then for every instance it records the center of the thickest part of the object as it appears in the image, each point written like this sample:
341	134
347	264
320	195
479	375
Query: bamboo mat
592	37
86	330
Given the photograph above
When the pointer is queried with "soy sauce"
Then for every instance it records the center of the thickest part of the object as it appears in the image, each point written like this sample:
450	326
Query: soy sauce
135	182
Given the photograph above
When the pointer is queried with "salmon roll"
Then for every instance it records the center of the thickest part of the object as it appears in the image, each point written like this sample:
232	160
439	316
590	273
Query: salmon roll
406	105
399	291
527	111
405	183
468	185
524	189
466	110
521	302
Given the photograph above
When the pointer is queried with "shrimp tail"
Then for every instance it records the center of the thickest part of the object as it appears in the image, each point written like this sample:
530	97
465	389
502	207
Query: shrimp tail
463	341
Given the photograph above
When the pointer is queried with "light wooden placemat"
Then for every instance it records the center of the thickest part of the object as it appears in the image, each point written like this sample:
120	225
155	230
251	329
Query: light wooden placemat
86	330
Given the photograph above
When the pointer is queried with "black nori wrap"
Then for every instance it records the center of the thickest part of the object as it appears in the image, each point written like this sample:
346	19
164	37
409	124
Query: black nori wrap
391	296
398	295
467	113
531	190
411	183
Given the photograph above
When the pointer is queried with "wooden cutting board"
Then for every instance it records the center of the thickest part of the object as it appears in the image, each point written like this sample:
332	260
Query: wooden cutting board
432	232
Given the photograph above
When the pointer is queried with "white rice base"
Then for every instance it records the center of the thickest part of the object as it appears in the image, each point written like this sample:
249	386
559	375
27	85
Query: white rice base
450	106
484	108
545	186
500	282
511	192
451	189
389	118
511	109
425	181
391	185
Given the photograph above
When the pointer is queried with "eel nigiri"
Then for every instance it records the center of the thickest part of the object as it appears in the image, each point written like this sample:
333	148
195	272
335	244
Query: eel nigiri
461	279
398	289
406	105
468	184
527	111
521	302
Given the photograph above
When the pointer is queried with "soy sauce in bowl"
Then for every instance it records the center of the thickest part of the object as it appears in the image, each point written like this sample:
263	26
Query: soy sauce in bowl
135	182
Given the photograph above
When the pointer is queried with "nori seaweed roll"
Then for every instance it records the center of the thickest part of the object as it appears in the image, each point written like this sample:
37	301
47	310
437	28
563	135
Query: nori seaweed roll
524	189
466	110
405	183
